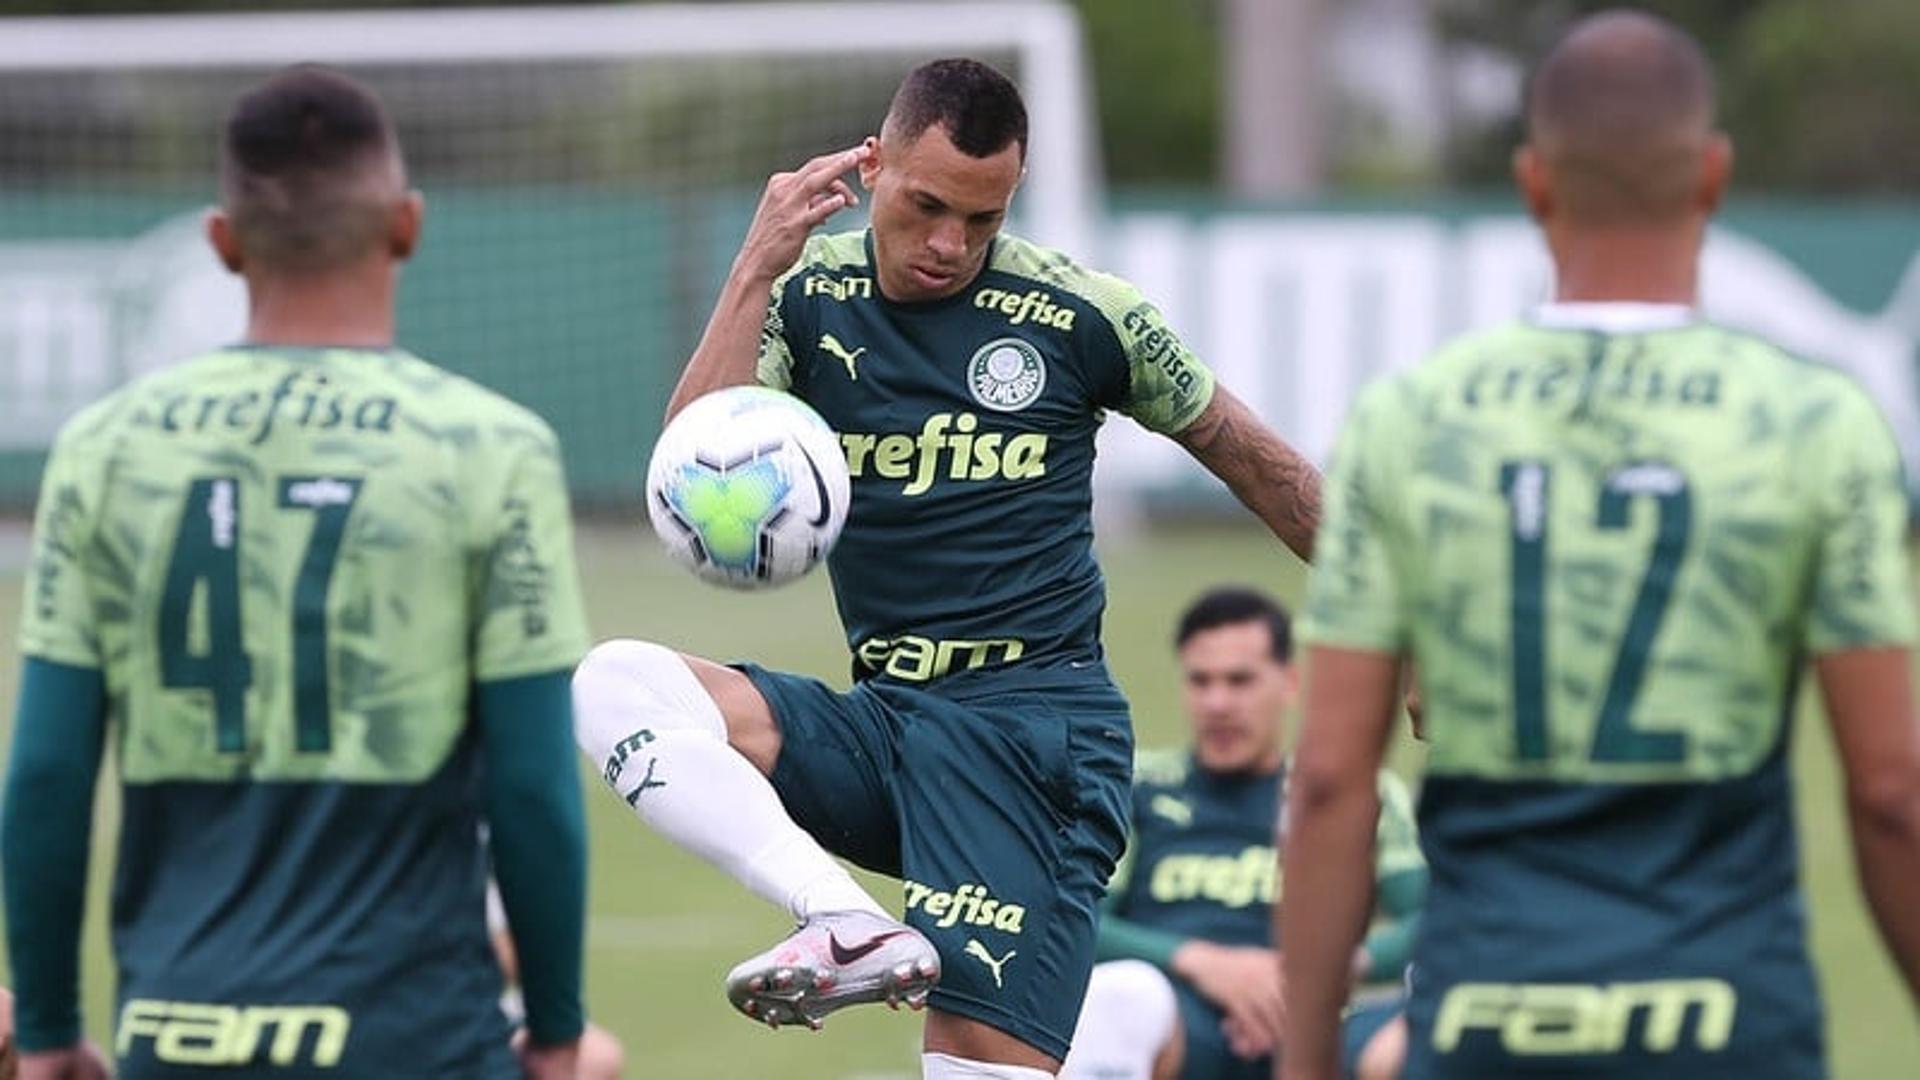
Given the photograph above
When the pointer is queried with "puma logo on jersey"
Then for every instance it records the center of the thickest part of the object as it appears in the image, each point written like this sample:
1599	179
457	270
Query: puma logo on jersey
979	952
1175	810
831	345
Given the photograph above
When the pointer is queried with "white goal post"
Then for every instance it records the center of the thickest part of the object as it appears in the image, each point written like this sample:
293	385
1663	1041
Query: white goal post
1059	198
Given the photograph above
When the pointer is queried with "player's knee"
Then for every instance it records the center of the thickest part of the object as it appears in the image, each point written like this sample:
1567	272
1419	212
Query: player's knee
948	1067
1134	989
1129	1022
1385	1053
624	685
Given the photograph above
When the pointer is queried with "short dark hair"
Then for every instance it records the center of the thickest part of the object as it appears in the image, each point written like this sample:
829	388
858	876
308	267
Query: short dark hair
979	108
1621	104
295	161
1232	605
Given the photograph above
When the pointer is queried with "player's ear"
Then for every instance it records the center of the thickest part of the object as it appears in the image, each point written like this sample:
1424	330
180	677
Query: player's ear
1716	171
404	230
870	165
1530	176
226	246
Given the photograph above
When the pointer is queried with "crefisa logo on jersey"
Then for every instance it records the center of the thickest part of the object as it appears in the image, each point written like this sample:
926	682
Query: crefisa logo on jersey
1006	374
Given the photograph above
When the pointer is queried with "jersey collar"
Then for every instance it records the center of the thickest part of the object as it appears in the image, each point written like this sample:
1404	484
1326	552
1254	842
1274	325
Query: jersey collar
1612	316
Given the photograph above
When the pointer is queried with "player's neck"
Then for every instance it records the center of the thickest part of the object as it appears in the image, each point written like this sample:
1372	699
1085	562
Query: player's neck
349	308
1649	266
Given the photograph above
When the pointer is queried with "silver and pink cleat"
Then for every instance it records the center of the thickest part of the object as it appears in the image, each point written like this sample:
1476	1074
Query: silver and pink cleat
831	961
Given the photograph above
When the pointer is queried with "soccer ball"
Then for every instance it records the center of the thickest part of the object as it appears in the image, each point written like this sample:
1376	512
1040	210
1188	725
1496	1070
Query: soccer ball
747	487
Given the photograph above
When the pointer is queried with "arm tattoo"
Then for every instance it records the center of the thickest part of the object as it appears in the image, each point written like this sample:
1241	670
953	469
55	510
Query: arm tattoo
1266	474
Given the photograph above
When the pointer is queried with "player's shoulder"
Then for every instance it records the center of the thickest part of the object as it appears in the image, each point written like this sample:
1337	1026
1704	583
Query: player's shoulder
1818	389
471	396
1054	271
139	401
831	253
1161	767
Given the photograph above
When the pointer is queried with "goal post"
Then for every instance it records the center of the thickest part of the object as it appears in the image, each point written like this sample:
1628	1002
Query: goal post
588	171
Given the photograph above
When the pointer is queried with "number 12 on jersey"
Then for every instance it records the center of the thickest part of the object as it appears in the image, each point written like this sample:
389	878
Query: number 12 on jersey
206	552
1527	486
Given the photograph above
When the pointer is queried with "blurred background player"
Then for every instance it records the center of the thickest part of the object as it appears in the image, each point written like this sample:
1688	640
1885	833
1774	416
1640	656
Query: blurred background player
1190	986
984	754
1607	536
601	1055
324	595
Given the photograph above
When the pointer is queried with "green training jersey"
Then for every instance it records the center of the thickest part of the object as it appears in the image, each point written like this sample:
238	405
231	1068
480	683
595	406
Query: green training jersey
968	424
291	566
1607	539
1201	860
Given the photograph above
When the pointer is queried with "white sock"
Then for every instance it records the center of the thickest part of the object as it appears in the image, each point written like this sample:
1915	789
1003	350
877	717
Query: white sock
948	1067
660	742
1125	1022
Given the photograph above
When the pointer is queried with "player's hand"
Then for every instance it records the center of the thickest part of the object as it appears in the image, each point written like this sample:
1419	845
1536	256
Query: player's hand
791	207
1244	982
81	1062
557	1062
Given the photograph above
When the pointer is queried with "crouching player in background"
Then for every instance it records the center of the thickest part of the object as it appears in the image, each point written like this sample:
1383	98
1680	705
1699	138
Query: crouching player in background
1190	985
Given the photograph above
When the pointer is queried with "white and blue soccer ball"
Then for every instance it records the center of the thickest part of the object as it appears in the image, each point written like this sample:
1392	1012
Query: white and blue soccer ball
748	487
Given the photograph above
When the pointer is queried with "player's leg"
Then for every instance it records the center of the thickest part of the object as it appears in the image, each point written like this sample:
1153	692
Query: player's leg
1011	817
1129	1026
688	745
700	753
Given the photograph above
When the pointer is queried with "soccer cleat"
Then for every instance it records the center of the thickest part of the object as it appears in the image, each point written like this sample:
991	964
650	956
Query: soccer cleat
831	961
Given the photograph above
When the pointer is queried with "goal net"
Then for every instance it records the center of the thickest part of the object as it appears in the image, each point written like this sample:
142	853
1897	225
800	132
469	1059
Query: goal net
589	173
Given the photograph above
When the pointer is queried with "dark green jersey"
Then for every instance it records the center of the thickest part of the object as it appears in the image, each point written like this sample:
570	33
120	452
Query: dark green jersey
291	568
1201	861
1608	541
968	425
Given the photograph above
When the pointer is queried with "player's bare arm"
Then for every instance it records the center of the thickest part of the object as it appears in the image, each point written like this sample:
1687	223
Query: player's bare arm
1333	807
1257	465
1869	701
793	204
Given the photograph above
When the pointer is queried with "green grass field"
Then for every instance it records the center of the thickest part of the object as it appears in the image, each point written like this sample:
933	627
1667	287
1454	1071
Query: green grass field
665	927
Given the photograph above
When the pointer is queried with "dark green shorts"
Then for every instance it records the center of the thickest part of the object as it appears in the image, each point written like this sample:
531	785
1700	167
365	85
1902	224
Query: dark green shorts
1001	807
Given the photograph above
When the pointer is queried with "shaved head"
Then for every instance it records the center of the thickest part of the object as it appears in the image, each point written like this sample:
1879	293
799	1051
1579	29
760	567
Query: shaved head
1621	115
310	172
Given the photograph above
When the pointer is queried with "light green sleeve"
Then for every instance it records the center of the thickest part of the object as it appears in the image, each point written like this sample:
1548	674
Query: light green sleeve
58	621
1396	844
529	616
1861	595
1355	597
1166	385
774	368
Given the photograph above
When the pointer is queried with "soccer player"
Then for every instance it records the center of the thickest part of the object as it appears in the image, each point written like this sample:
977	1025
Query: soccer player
1607	536
983	755
318	596
1190	981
